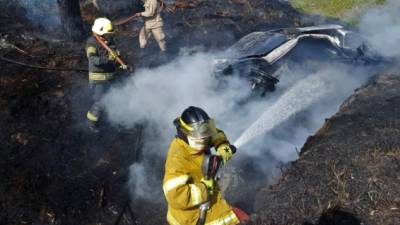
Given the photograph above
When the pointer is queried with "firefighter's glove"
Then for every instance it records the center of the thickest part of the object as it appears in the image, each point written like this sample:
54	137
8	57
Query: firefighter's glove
209	185
124	67
226	152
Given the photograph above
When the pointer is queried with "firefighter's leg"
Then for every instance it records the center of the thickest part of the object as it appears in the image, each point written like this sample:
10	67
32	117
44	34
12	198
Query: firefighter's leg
94	113
144	35
160	38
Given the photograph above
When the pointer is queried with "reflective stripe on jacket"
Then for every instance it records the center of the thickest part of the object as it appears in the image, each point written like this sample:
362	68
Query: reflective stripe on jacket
101	76
101	66
184	191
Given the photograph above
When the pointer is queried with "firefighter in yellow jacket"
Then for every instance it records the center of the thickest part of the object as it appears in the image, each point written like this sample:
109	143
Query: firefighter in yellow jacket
184	185
153	24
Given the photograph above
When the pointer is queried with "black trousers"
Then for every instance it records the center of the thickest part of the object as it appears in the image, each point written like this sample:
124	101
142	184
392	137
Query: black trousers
98	89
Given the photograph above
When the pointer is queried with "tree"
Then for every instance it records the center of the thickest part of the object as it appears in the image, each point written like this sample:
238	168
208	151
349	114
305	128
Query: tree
71	19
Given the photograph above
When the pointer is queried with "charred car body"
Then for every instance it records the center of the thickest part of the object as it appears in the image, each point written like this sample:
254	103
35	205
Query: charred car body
258	55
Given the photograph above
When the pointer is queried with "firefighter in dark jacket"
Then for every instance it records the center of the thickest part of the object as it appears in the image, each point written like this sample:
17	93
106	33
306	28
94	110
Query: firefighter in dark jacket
102	67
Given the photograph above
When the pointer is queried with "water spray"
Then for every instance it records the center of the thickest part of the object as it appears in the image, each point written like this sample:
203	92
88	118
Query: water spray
297	98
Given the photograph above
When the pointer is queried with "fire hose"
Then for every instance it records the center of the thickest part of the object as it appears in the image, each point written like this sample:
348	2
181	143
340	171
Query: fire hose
213	167
123	21
126	20
42	67
101	42
109	50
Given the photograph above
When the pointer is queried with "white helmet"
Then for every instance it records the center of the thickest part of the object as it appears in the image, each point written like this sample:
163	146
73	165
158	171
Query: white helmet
102	26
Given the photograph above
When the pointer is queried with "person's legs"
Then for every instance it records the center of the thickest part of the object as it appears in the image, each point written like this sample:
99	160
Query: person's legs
160	38
144	35
94	113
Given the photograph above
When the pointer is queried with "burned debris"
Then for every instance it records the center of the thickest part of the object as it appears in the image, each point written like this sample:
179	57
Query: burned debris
259	55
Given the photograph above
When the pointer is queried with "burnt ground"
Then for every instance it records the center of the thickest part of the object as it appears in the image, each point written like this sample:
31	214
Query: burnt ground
53	171
348	172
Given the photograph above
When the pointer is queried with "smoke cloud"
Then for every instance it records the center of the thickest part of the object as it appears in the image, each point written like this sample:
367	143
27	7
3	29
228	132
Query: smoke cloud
296	99
276	125
298	112
381	26
157	96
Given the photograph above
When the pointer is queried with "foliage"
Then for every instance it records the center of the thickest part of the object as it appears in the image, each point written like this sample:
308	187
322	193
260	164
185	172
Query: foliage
347	10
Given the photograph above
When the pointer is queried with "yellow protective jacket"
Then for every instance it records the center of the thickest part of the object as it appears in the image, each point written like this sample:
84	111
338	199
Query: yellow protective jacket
152	14
184	191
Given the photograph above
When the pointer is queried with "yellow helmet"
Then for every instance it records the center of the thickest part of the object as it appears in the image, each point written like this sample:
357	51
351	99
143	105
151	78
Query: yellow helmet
102	26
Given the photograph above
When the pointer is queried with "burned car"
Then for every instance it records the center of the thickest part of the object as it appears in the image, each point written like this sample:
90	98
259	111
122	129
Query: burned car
258	55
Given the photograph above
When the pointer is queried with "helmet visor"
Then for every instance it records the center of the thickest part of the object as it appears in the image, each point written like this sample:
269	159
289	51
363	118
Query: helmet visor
202	129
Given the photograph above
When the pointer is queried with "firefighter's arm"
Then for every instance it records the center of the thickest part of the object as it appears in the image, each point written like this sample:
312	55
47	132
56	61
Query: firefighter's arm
150	8
181	192
92	55
219	138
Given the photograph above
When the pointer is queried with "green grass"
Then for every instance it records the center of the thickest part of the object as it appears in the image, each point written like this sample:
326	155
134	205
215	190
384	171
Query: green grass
347	10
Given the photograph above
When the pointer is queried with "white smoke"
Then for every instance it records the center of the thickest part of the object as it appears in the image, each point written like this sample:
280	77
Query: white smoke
139	182
161	94
157	96
276	125
299	112
381	27
303	99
